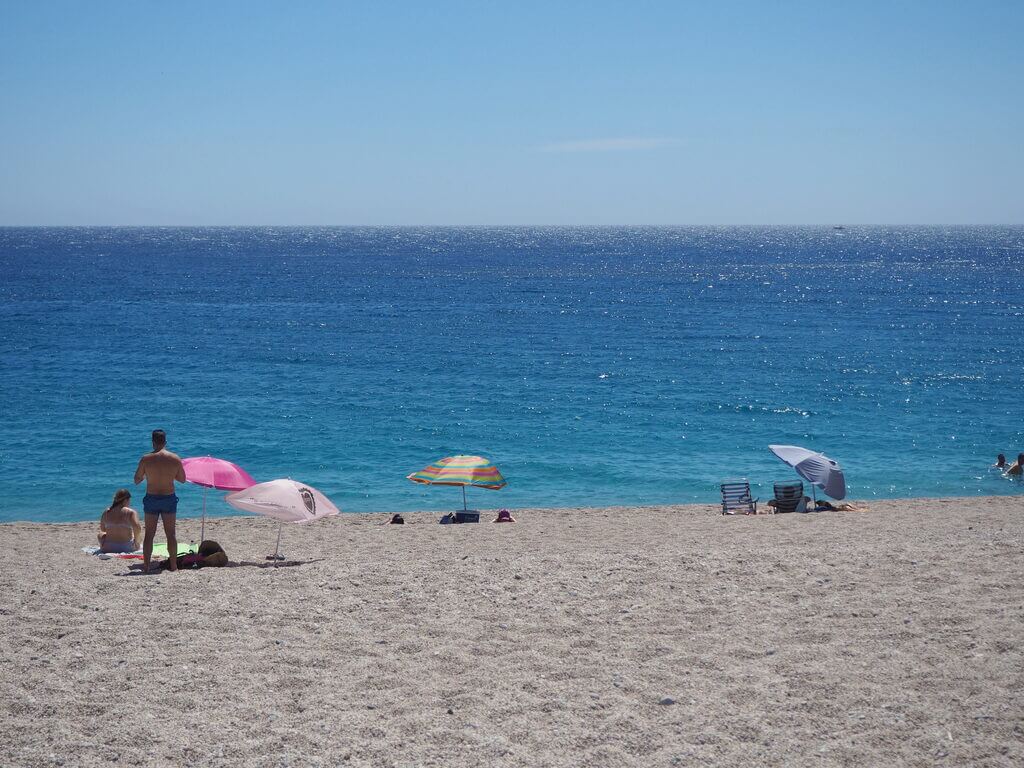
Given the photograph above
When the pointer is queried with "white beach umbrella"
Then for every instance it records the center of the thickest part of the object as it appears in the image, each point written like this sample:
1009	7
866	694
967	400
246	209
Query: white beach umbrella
816	468
286	500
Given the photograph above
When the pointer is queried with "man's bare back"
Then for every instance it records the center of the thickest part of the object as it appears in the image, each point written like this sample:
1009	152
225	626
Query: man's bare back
160	469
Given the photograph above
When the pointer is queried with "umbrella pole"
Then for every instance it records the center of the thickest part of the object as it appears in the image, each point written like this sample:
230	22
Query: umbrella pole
202	530
278	545
464	507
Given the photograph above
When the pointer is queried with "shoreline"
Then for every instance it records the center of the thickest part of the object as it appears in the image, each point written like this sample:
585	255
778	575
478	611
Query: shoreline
617	636
691	507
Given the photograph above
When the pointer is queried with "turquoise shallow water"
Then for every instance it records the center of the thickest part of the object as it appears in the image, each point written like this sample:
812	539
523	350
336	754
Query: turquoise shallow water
595	366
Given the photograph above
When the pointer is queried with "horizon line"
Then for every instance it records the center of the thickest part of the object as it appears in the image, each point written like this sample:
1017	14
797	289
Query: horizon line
839	226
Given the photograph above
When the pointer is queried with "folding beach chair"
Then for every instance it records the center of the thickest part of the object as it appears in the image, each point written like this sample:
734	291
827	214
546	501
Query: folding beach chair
736	498
788	496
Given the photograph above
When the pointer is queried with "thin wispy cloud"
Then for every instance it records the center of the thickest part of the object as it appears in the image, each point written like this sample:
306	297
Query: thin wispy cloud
630	144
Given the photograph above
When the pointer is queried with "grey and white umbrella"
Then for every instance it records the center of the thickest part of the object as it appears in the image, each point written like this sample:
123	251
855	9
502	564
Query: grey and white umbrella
816	468
286	501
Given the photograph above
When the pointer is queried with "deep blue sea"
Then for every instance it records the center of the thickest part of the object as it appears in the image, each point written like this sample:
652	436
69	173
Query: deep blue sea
595	366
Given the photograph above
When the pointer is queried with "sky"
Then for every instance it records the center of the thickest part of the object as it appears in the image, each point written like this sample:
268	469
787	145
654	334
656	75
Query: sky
463	113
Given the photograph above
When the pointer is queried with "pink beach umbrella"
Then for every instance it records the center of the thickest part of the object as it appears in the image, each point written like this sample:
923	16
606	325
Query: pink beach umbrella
285	500
211	472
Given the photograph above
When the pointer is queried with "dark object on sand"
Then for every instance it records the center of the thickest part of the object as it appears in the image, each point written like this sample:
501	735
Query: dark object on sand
788	496
208	548
467	516
829	506
210	555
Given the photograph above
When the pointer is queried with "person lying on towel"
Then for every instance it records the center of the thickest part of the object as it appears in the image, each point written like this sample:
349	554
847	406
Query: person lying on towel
210	555
837	507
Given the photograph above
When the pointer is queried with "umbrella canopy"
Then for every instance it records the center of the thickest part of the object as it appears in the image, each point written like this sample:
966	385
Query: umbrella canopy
461	470
288	501
211	472
816	468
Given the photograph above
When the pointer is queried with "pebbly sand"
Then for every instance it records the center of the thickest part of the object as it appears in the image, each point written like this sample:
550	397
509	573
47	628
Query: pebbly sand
583	637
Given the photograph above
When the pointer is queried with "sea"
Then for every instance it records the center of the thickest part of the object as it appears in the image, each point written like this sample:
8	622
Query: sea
594	366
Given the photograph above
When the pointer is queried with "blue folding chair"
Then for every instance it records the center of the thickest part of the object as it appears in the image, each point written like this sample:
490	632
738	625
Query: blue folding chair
736	498
788	496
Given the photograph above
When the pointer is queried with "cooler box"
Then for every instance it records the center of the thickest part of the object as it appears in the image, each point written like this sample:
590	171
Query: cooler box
468	516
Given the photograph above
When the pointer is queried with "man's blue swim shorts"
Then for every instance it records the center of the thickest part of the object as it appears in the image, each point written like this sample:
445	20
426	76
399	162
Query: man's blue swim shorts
153	504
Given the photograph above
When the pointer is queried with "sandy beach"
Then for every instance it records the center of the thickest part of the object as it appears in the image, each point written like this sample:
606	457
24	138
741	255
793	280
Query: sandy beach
597	637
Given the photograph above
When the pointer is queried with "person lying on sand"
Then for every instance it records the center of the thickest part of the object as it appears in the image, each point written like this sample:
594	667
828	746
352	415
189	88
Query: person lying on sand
220	560
210	555
805	504
837	507
1017	470
120	530
504	516
137	569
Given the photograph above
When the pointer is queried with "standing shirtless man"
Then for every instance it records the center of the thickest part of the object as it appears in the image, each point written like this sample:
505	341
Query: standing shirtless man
160	468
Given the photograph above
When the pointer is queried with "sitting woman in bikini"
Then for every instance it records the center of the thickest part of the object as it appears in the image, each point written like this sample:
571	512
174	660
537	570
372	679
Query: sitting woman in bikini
120	530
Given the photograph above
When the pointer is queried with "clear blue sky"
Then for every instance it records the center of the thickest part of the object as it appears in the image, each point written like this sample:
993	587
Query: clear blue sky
511	113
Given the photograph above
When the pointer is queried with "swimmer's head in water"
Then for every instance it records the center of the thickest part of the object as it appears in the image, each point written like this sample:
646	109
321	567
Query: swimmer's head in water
1000	459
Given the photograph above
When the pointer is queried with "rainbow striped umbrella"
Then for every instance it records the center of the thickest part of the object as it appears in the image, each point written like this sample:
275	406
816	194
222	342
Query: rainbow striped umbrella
461	470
